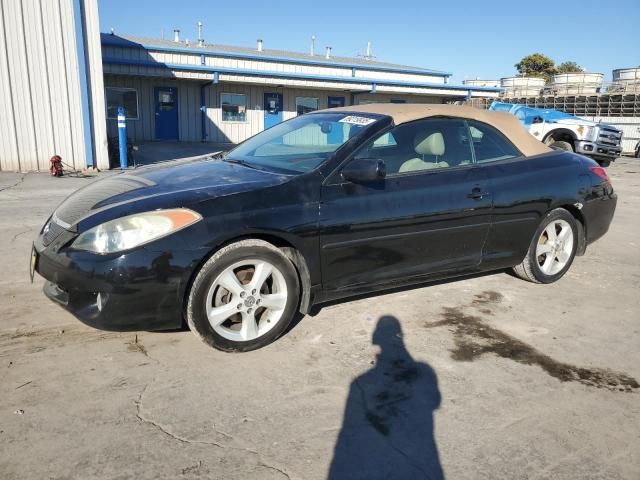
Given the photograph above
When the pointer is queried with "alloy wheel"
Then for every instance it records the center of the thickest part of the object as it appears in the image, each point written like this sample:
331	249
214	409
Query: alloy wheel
554	247
246	300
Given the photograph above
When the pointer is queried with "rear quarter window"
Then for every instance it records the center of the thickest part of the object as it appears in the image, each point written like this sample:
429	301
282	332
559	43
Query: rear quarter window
489	144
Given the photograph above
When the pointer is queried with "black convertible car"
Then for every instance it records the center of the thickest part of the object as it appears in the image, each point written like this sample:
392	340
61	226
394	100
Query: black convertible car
326	205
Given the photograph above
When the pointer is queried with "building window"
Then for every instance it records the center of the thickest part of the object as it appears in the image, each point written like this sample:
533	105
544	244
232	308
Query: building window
306	105
333	102
234	107
122	97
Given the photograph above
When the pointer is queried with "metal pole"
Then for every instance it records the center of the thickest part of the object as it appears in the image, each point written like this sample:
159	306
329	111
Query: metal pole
203	112
122	138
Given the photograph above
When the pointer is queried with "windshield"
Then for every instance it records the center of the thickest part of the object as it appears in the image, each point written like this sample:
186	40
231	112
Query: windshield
301	144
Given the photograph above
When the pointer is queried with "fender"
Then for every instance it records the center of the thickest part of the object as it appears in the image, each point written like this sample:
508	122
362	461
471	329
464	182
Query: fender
561	131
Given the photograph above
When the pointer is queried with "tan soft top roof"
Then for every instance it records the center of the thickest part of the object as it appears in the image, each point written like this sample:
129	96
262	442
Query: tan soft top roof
503	121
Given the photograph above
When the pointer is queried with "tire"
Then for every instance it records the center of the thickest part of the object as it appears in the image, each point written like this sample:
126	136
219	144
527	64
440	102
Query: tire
604	163
562	145
542	246
229	326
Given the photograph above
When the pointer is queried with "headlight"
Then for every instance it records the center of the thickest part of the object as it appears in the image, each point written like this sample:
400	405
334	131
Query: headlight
135	230
586	132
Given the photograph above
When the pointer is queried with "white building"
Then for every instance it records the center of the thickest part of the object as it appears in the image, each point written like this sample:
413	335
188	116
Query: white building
51	76
51	84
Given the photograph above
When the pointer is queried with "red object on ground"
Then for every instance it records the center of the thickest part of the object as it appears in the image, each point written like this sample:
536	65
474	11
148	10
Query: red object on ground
56	166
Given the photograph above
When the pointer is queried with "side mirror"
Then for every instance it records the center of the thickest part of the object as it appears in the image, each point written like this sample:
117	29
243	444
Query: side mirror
537	119
364	170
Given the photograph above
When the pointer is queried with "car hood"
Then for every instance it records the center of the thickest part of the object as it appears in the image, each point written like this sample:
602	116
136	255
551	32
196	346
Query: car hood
170	185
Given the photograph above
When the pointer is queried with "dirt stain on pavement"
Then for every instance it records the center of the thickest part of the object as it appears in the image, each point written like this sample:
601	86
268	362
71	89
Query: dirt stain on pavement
474	338
33	341
136	346
13	336
487	297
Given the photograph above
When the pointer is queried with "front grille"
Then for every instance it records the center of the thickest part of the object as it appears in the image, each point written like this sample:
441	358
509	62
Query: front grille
51	231
610	137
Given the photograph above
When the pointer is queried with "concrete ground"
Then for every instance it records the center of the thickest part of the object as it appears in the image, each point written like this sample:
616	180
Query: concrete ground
483	378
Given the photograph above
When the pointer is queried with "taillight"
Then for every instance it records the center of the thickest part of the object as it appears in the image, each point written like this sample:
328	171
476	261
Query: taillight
601	172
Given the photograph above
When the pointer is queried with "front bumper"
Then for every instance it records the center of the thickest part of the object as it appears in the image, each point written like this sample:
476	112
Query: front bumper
593	149
142	289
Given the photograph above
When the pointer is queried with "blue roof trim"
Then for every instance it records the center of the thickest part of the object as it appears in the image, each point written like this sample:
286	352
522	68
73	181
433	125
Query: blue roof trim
106	41
301	76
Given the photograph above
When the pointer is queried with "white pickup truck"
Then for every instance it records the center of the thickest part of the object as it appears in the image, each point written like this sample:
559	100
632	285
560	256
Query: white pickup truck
560	130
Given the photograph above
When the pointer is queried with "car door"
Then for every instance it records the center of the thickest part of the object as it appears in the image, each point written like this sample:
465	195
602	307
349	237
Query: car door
431	213
521	188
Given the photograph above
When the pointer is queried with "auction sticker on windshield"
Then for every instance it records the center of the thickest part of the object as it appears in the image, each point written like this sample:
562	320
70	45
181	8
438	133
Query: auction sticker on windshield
356	120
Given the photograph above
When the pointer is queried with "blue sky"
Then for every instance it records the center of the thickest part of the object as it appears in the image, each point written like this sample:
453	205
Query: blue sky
467	38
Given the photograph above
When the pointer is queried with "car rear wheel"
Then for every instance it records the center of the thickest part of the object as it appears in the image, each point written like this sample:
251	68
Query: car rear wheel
552	249
243	297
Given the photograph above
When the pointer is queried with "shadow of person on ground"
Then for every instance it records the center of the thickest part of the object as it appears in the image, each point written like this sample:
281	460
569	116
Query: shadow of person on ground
388	429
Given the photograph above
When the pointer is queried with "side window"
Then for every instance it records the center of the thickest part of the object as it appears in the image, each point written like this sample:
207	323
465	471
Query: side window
434	143
489	144
386	140
122	97
306	105
234	107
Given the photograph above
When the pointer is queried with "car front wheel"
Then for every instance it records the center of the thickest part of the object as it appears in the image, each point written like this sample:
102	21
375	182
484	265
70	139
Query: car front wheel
561	145
552	249
244	297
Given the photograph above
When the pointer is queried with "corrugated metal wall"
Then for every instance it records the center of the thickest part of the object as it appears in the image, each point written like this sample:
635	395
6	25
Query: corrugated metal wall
235	132
386	98
41	84
143	129
189	115
256	64
96	82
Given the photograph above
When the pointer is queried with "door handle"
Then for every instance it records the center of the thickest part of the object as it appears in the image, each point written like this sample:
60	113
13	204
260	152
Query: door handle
478	194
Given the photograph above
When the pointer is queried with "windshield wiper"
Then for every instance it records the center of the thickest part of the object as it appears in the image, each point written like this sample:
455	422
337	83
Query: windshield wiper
219	155
241	162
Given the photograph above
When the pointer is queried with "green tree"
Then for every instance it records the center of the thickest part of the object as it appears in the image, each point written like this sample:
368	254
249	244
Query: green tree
536	65
569	67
